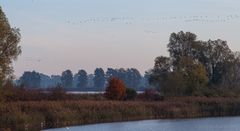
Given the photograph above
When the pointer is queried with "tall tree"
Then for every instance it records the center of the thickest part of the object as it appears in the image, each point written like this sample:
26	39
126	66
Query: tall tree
159	73
55	80
194	75
31	79
185	71
146	79
174	85
133	79
67	79
9	47
99	78
111	73
46	81
82	79
181	44
218	55
213	54
231	78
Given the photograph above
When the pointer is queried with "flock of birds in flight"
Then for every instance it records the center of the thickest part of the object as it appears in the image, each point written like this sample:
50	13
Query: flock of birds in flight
132	20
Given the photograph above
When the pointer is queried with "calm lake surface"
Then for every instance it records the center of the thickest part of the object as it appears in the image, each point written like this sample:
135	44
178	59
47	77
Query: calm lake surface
203	124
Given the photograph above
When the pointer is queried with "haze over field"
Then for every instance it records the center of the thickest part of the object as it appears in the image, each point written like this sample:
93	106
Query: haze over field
85	34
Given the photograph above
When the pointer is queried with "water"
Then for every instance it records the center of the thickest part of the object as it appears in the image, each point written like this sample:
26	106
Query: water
92	92
204	124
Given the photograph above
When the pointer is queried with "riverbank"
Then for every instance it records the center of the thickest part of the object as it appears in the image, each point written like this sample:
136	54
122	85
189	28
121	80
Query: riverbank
37	115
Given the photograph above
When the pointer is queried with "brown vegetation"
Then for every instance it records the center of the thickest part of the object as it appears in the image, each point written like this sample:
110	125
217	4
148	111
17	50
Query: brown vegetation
36	115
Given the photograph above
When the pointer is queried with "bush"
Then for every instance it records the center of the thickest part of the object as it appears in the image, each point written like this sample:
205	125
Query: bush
131	94
58	93
116	89
152	95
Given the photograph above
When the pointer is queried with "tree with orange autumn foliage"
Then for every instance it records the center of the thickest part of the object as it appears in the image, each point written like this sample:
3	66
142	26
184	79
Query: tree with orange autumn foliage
116	89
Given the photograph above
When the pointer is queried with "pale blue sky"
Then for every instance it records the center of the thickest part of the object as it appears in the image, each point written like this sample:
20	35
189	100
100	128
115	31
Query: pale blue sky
85	34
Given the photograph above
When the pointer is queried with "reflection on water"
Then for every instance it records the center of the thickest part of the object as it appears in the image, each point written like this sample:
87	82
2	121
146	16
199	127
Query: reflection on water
204	124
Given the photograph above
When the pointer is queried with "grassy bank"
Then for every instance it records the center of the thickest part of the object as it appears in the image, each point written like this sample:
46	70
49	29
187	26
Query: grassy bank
37	115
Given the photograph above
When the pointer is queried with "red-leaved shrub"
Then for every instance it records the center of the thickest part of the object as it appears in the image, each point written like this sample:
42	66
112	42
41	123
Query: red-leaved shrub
116	89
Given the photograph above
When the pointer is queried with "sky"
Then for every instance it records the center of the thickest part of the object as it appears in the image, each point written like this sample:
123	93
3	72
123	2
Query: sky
87	34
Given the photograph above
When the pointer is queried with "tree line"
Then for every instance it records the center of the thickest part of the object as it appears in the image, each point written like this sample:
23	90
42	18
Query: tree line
82	80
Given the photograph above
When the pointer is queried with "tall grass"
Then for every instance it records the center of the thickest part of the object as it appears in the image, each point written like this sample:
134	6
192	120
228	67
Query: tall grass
37	115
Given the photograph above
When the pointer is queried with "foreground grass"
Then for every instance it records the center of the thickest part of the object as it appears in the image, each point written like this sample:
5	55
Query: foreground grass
37	115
